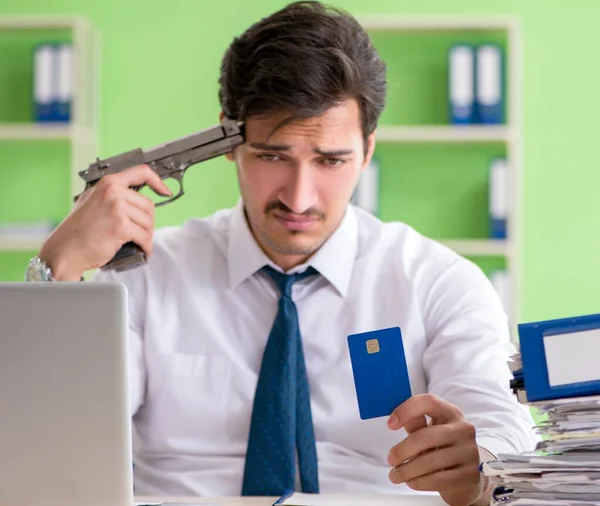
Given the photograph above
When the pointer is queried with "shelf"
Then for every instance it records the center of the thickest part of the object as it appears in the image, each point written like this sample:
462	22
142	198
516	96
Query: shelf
430	23
450	133
41	131
478	247
32	243
58	22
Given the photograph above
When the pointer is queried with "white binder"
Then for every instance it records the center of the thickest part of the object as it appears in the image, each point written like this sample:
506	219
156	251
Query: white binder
64	77
366	195
498	198
44	90
489	88
461	84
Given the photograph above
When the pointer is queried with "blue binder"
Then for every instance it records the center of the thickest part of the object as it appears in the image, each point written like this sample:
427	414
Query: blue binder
498	198
560	357
43	82
489	84
366	194
64	82
461	92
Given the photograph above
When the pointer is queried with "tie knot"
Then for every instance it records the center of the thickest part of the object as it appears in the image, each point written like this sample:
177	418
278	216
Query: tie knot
284	282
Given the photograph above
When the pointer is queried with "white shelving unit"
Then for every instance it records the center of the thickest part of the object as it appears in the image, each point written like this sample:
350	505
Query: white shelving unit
81	133
449	133
31	242
509	134
479	247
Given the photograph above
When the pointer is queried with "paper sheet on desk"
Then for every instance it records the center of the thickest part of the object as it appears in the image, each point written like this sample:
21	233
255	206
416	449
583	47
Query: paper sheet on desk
174	503
145	503
421	499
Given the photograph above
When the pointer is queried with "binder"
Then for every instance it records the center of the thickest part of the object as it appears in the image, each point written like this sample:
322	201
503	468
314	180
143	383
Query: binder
366	195
64	82
560	357
461	85
43	82
498	198
489	84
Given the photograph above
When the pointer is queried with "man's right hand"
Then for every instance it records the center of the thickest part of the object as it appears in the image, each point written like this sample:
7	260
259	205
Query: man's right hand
106	216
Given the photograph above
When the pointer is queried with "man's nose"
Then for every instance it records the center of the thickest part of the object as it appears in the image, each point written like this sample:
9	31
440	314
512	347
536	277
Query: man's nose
299	192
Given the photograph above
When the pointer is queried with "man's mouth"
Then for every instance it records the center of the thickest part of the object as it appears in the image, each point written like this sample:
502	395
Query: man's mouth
295	222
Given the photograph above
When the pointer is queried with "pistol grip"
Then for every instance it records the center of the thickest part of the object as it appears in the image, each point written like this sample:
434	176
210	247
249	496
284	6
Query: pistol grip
128	257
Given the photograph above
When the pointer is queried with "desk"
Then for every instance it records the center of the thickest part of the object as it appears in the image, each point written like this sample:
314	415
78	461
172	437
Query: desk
351	500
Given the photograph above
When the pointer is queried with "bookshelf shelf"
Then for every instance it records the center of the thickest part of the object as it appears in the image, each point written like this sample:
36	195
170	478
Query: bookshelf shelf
34	131
435	23
478	247
444	133
43	22
30	243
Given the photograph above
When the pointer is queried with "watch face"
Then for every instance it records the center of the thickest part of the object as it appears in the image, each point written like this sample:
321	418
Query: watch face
35	272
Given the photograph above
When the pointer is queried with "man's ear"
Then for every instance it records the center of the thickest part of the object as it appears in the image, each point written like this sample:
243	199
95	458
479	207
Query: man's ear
370	150
229	155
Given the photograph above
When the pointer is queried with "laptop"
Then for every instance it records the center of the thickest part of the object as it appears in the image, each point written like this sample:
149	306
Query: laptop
65	425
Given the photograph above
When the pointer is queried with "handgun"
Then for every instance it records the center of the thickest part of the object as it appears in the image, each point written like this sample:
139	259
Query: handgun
169	161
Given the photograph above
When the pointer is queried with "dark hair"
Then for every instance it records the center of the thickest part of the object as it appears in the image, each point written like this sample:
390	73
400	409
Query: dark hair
305	58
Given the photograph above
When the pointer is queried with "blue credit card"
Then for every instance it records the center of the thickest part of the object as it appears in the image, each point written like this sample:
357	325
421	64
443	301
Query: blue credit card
380	372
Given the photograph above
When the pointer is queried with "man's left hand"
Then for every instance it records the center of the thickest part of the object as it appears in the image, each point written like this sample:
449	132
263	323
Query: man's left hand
442	457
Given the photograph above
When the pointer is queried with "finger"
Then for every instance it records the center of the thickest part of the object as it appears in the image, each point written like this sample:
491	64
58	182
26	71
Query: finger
456	478
420	422
140	201
421	441
141	174
141	237
83	197
438	409
141	218
433	461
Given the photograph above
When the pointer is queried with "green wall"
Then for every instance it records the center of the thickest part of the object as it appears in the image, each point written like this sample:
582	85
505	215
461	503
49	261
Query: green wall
159	69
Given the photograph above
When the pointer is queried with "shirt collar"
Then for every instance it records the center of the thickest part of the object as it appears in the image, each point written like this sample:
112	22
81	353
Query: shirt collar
334	259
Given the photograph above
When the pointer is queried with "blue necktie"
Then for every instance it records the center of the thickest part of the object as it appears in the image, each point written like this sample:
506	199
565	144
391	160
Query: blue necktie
281	416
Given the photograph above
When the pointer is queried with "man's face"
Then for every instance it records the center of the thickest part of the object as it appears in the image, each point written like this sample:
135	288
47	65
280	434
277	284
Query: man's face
296	184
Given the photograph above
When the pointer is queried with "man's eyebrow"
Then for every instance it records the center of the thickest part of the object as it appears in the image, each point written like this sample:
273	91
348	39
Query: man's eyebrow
285	147
269	147
334	152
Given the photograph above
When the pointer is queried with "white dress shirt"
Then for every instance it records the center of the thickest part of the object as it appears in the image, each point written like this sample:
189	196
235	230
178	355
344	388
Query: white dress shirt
200	316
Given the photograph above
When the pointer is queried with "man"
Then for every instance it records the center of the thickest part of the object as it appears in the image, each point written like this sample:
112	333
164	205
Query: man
226	398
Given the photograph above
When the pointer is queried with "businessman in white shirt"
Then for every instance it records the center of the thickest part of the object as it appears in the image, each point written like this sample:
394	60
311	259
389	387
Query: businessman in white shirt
309	87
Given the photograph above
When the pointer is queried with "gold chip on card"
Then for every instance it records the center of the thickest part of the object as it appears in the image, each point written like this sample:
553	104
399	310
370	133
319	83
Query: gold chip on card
372	346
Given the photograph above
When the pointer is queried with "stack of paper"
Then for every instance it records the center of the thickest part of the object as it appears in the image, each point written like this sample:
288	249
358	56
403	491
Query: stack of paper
517	384
565	468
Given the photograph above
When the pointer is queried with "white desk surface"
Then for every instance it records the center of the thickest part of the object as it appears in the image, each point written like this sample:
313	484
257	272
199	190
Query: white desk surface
337	499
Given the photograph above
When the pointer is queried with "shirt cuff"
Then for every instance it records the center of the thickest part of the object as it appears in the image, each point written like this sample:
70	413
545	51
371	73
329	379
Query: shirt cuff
494	446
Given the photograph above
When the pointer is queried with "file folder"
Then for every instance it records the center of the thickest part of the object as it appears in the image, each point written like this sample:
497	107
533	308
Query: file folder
64	82
461	91
498	198
489	84
366	195
560	357
43	82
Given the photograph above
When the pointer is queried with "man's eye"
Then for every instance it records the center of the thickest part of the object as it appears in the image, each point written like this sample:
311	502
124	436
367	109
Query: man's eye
334	162
268	157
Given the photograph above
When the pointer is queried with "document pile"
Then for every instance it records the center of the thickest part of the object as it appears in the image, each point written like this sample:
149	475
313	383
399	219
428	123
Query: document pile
565	469
556	375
